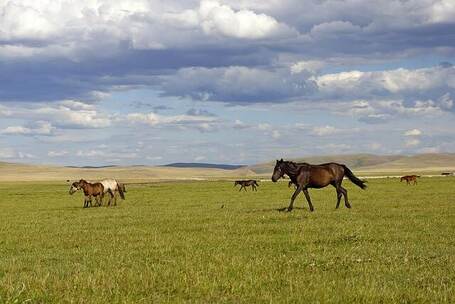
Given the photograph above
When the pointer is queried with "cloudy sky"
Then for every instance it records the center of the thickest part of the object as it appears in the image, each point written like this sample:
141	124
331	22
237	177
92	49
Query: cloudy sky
96	82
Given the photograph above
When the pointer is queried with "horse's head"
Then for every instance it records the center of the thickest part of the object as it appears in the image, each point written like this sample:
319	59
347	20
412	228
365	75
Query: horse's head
278	171
74	187
236	183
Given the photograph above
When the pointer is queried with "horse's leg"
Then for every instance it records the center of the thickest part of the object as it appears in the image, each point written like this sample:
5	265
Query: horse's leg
307	196
339	195
111	196
100	202
337	186
240	188
345	194
294	196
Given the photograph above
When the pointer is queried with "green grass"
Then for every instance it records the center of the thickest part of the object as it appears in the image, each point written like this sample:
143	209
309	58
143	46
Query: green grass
172	242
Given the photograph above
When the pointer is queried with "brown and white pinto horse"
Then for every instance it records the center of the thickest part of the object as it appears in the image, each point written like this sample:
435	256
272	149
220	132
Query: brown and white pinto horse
306	176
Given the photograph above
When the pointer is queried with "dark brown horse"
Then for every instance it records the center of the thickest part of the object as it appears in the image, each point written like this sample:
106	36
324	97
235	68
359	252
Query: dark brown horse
409	179
307	176
95	190
247	183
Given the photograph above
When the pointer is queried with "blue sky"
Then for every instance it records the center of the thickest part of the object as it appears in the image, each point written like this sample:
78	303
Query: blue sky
96	82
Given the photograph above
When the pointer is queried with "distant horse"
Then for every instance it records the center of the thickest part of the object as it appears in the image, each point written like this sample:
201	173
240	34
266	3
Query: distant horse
90	190
246	183
111	186
316	176
409	179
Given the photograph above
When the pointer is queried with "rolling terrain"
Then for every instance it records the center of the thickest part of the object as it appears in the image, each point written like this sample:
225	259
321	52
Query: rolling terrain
364	164
369	164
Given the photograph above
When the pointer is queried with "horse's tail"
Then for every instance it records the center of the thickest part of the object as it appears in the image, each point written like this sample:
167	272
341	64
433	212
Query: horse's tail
120	191
354	178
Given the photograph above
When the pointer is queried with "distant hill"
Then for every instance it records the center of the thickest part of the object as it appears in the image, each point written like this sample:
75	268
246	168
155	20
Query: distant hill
370	163
204	165
364	164
25	172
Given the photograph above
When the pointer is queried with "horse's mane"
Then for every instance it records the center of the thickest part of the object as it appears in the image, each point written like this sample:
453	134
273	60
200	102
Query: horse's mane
292	167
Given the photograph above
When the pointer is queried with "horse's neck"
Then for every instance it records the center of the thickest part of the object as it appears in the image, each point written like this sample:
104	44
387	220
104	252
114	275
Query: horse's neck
292	172
85	188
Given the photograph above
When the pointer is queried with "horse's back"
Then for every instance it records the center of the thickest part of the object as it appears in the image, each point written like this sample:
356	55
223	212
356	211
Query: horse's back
322	175
109	184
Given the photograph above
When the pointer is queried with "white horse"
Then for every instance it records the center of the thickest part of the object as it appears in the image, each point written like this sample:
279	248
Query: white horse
111	186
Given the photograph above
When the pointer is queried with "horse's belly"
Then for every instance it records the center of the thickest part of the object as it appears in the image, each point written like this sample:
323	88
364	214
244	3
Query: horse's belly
319	183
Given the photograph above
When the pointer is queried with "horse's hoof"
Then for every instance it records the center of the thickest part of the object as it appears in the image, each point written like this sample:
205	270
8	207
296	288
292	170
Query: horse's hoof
348	206
289	209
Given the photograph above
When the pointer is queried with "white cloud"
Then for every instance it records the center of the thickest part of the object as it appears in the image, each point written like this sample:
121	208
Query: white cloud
276	134
65	114
57	153
310	66
391	81
90	153
215	18
413	132
41	128
412	142
325	130
7	153
154	119
11	154
443	11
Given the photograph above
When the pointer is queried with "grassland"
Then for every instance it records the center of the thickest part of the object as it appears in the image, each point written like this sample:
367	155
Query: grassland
205	242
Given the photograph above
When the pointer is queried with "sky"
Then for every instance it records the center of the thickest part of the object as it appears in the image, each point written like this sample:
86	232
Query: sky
146	82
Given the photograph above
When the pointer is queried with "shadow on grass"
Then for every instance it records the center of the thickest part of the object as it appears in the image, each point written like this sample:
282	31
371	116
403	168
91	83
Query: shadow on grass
283	209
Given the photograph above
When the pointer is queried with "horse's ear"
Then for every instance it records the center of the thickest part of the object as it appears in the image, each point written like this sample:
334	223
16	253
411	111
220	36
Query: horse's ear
281	160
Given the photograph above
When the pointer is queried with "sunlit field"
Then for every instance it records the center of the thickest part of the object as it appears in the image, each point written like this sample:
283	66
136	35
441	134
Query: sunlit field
207	242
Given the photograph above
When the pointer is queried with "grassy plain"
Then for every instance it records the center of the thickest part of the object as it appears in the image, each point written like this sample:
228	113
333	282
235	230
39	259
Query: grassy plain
205	242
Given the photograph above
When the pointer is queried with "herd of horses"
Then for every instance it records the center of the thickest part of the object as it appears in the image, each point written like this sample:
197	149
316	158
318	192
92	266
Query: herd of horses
98	190
302	175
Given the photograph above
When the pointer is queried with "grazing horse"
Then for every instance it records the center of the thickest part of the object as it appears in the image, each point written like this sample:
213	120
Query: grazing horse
111	186
246	183
90	190
409	179
316	176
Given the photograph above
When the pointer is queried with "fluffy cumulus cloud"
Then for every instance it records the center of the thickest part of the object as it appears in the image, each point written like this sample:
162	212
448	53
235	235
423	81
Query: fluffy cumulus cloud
44	117
86	49
71	65
41	128
199	120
